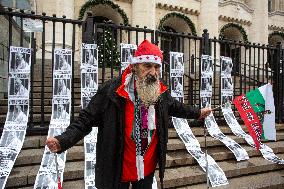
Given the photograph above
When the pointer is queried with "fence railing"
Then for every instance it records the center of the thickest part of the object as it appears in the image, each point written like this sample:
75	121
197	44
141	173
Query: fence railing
254	64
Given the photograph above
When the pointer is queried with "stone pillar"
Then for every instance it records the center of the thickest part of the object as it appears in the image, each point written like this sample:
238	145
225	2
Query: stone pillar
143	14
259	27
60	8
208	18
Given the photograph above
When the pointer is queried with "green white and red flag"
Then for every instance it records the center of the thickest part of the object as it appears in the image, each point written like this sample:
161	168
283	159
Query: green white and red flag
257	110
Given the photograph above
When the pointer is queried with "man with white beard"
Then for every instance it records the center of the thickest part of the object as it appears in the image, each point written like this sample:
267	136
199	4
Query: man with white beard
132	114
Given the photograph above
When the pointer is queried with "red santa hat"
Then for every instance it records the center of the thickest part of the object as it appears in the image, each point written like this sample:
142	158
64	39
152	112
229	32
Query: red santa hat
147	52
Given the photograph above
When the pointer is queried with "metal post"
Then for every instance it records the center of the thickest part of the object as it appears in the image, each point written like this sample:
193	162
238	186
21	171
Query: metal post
88	35
205	49
277	83
205	43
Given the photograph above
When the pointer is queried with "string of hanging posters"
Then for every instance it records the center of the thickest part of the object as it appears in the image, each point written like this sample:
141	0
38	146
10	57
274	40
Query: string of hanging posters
227	98
49	171
14	130
215	173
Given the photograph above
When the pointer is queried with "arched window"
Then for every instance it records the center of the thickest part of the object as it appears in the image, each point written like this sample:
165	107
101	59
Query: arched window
233	32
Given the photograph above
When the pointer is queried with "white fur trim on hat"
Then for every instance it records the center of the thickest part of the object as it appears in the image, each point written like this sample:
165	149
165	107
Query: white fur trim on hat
146	58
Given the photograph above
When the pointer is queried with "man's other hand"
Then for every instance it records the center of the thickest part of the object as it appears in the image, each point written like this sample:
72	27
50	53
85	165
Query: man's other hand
205	112
53	144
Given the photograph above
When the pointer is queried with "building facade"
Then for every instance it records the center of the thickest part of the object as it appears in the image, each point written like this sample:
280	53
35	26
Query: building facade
260	21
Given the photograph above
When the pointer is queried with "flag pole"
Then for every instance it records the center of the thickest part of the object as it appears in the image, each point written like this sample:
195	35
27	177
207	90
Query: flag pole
57	173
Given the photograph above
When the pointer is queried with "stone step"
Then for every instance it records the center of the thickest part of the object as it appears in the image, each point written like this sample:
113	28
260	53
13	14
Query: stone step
189	175
174	157
38	141
174	176
269	180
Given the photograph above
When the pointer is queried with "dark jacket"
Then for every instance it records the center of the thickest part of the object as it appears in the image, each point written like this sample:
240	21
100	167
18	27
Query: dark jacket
106	111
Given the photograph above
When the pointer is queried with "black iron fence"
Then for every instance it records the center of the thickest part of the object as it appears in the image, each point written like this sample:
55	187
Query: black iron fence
254	64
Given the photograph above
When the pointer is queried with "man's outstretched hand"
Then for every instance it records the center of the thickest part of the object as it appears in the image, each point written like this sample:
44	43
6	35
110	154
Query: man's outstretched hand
53	144
204	113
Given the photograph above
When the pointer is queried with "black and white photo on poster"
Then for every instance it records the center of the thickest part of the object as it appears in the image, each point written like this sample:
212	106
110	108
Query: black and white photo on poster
90	168
8	155
193	147
206	83
226	100
46	180
85	101
126	52
20	60
90	148
189	140
89	56
12	139
62	87
49	164
176	62
61	110
89	80
19	86
227	83
17	114
52	132
62	60
177	86
215	132
206	64
269	155
226	65
7	159
205	102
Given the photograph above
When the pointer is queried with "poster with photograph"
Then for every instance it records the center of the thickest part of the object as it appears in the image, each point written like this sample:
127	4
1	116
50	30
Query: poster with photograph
60	119
126	53
206	81
215	173
18	110
176	75
176	62
15	126
89	56
18	85
226	99
89	87
20	60
206	95
62	61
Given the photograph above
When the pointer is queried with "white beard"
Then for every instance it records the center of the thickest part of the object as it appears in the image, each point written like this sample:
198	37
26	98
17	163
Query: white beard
148	92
